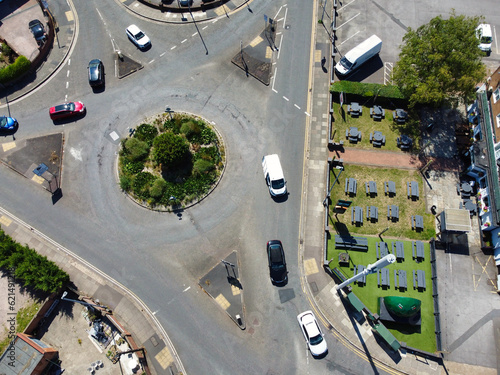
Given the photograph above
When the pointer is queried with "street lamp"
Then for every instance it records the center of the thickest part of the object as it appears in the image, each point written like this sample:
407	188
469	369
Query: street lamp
371	268
82	303
169	111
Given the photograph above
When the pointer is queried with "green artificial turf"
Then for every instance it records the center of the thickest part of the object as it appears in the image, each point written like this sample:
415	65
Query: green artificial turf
424	337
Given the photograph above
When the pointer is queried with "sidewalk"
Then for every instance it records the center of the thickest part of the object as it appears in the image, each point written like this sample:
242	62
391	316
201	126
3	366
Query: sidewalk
351	329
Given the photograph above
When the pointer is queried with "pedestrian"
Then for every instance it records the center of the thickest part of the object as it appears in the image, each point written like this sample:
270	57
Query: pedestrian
323	62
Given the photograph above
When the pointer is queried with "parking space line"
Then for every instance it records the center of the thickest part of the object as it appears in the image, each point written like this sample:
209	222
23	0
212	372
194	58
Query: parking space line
349	20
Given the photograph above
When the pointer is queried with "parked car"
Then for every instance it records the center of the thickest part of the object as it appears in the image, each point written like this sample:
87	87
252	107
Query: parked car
8	125
66	110
277	263
312	333
38	31
137	37
273	173
483	33
96	73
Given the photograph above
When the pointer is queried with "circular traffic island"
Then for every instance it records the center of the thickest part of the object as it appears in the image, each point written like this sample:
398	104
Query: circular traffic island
172	161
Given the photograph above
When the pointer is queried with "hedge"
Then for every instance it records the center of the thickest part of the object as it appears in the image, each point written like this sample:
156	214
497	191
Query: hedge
15	70
359	91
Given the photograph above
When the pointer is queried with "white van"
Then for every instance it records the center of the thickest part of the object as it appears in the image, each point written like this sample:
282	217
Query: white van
483	33
360	54
274	175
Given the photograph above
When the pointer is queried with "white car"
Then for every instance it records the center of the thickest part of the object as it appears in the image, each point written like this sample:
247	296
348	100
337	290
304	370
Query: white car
137	37
483	33
312	333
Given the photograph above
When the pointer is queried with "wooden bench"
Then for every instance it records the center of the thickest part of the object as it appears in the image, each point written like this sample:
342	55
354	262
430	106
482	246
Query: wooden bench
349	242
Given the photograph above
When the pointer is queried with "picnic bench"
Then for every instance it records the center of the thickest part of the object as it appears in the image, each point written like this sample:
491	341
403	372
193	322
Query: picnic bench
351	186
371	188
400	250
392	212
400	279
412	190
390	188
371	213
420	279
360	268
418	250
356	215
351	242
383	278
417	222
382	250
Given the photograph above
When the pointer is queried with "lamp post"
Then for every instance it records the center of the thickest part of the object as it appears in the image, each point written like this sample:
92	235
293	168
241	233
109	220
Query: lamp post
371	268
169	111
82	303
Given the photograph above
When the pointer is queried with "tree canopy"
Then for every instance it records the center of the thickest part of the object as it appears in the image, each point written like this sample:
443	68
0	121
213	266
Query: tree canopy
439	60
170	150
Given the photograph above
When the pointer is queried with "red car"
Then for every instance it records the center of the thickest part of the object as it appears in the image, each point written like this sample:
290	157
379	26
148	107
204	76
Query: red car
66	110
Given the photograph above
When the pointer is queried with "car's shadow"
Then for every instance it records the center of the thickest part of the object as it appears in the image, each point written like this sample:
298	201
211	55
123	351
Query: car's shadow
98	89
280	198
67	120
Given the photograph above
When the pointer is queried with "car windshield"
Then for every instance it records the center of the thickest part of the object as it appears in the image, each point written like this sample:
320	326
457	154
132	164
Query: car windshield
3	121
345	63
316	340
486	39
94	71
65	107
139	35
278	184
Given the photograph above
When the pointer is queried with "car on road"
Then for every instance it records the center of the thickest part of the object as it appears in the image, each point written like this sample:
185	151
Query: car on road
96	73
277	263
137	37
66	110
483	33
38	31
312	333
273	173
8	125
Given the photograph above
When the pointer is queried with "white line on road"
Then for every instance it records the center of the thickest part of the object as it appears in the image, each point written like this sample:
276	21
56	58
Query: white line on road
183	41
65	98
67	84
307	114
274	79
161	55
69	62
67	74
352	36
349	20
284	97
279	48
194	34
173	47
151	61
281	19
275	91
185	290
204	27
215	21
102	18
296	106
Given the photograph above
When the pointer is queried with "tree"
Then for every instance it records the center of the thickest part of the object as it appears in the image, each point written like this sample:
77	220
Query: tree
439	60
170	150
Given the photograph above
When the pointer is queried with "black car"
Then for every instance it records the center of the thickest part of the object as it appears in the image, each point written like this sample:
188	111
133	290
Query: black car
277	263
38	31
96	73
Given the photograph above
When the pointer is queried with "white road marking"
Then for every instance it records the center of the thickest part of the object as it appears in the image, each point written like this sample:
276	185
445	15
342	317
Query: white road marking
69	62
67	74
67	84
307	114
151	61
163	54
296	106
65	98
279	48
183	41
274	79
77	154
215	21
349	20
173	47
284	97
185	290
194	34
204	27
352	36
102	18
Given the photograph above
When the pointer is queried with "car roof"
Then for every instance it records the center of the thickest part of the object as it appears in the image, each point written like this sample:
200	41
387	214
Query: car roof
310	325
133	29
275	253
485	29
94	62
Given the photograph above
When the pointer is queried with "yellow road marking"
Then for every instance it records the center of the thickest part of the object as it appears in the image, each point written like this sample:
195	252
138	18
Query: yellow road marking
9	145
222	301
310	266
256	41
164	358
38	179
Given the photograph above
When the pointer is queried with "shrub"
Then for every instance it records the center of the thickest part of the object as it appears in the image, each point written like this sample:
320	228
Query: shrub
190	129
202	166
141	184
146	133
125	183
170	150
15	70
135	149
157	188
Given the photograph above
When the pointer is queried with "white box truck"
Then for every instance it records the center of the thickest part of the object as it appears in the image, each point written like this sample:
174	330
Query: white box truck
274	175
483	33
359	55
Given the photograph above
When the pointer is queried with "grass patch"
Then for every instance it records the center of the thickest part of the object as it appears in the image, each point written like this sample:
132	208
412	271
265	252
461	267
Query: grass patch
423	338
367	125
23	318
407	207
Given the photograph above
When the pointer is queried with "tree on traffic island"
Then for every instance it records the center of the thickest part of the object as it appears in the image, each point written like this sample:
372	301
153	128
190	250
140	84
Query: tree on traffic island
170	150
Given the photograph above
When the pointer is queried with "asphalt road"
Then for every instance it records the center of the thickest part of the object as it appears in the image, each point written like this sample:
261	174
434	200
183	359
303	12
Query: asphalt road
157	255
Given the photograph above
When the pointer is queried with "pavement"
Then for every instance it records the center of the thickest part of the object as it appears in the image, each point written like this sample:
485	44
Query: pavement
465	328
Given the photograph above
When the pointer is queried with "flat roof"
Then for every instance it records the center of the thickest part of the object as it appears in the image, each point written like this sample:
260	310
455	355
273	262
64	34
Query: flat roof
455	220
